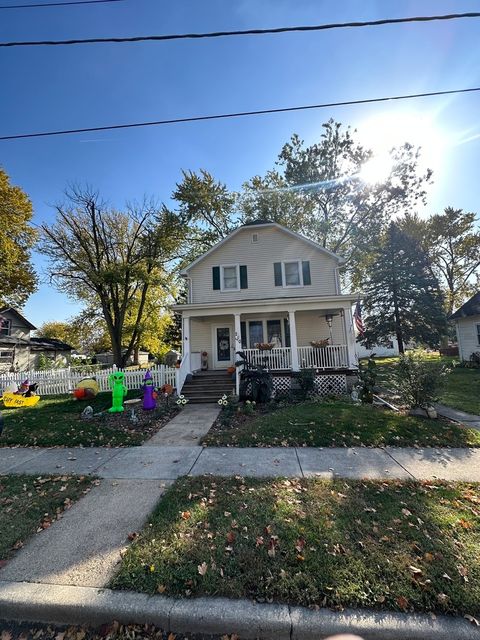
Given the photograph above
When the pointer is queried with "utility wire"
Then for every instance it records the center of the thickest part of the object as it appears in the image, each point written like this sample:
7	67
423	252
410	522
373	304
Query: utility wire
246	32
238	114
55	4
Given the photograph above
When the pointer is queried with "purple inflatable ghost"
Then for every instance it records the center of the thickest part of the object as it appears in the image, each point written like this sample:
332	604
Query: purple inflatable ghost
149	401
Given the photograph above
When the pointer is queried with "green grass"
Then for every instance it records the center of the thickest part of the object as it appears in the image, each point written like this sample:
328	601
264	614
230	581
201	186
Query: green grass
28	504
461	389
55	421
339	423
388	545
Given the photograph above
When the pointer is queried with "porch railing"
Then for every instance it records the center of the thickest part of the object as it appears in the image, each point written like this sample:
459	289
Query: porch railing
276	359
334	356
280	358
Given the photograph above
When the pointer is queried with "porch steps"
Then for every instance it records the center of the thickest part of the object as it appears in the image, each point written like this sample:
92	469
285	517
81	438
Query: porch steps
207	386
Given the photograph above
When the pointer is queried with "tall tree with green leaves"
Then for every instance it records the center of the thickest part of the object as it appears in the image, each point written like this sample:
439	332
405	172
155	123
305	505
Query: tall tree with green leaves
112	257
453	240
17	237
66	331
319	190
207	208
402	295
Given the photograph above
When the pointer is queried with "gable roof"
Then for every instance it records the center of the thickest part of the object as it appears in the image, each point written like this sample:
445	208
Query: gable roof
19	316
50	344
264	223
470	308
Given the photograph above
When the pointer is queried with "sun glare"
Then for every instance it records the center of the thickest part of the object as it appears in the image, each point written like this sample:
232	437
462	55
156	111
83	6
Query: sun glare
388	130
377	169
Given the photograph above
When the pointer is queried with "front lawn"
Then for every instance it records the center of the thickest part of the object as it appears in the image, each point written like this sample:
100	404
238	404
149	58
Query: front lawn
462	386
56	421
338	423
389	545
29	504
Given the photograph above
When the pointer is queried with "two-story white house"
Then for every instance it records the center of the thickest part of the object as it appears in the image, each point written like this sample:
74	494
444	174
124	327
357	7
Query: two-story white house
274	295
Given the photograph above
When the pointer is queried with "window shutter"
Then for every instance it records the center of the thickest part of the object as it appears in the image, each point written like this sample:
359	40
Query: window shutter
243	277
306	272
277	270
216	277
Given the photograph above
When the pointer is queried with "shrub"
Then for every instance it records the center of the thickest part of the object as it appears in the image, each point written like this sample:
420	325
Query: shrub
306	382
367	377
417	381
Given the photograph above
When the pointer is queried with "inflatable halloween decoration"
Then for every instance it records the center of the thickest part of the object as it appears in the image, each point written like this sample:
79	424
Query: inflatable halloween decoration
14	400
23	388
149	402
86	389
119	391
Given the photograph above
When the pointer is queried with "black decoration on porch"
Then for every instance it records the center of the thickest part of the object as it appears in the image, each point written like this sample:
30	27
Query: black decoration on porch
256	382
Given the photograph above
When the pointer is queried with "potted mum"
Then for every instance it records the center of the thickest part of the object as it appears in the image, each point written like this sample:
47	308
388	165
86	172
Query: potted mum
320	344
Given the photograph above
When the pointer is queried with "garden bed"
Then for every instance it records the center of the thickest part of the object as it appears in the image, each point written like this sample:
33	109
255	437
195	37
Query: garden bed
29	505
57	421
334	423
404	546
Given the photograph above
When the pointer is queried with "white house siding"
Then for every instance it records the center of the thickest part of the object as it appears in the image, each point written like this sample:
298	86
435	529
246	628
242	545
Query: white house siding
311	325
467	336
274	245
380	350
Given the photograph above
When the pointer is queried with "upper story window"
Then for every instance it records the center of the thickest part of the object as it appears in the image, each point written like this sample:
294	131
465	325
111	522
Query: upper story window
5	326
230	277
292	273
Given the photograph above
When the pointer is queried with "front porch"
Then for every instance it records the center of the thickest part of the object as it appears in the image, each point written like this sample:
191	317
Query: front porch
283	336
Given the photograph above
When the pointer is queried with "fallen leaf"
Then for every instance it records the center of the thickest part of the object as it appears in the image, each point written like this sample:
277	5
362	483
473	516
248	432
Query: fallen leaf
259	541
230	537
402	602
161	588
133	535
471	619
186	515
202	568
171	636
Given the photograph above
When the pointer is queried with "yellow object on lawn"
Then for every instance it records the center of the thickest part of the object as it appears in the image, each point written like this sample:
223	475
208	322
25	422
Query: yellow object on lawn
15	400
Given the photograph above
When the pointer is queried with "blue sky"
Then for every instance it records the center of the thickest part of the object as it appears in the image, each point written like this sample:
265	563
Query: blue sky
55	88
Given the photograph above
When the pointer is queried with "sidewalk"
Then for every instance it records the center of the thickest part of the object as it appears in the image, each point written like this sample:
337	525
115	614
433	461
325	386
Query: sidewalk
468	419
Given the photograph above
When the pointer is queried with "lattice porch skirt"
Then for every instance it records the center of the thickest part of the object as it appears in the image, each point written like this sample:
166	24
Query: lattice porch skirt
325	385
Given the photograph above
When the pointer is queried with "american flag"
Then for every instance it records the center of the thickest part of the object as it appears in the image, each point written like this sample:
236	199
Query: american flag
357	316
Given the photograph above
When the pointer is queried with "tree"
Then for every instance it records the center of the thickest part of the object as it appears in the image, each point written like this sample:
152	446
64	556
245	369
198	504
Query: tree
206	207
453	240
402	296
318	190
67	332
111	257
17	237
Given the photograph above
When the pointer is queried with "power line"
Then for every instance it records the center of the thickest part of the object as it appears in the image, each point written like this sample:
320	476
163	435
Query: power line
238	114
245	32
56	4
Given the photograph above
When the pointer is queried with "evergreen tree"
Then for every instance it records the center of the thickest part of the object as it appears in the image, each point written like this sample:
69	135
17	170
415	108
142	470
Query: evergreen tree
402	295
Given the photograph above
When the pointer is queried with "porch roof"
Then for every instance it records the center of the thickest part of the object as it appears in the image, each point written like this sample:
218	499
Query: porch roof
290	303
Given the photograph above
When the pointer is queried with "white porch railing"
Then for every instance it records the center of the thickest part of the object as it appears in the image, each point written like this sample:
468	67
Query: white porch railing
182	372
276	359
333	356
280	358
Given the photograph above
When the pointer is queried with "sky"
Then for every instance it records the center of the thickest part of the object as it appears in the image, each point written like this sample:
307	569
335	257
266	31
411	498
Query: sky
90	85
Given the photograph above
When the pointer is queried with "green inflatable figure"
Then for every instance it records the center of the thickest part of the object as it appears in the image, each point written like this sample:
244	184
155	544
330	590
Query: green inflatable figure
119	391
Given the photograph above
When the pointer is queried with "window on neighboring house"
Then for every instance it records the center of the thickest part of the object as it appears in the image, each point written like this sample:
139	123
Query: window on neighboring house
5	326
230	278
6	356
478	334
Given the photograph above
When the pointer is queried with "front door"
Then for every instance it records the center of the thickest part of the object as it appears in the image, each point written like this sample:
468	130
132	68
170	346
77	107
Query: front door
223	347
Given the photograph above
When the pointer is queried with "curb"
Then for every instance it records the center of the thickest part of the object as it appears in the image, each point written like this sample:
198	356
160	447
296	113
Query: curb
58	604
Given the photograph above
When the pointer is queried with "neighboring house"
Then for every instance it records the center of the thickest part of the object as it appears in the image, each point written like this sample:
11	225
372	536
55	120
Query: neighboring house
19	351
106	357
467	323
266	284
390	348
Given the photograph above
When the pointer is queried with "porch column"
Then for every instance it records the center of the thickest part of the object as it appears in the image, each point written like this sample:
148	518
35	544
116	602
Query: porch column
186	344
350	336
293	340
238	347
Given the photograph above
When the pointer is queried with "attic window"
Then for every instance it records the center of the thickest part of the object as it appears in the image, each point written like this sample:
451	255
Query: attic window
254	238
5	326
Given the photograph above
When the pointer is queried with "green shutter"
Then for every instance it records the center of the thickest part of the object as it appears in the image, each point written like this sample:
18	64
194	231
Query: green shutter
306	272
216	277
243	277
277	270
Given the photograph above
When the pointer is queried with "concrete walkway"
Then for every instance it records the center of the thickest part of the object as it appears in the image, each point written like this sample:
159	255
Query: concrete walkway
468	419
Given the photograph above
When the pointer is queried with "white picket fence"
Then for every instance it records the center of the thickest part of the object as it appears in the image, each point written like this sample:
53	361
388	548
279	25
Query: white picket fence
59	381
